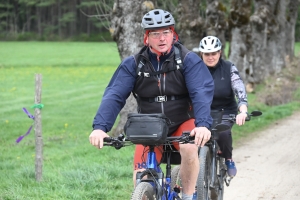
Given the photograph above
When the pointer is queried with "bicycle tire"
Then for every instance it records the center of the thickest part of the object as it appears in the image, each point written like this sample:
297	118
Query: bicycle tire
143	191
175	179
222	173
203	181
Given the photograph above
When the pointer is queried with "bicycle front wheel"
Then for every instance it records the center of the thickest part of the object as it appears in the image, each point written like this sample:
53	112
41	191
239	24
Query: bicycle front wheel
221	178
175	180
143	191
203	181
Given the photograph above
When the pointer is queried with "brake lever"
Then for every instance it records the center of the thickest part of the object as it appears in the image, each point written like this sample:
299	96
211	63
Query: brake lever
187	138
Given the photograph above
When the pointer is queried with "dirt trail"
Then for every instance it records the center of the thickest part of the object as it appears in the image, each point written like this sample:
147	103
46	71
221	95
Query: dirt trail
269	164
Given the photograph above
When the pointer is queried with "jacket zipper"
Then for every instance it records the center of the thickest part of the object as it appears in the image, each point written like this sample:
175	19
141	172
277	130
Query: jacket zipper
159	86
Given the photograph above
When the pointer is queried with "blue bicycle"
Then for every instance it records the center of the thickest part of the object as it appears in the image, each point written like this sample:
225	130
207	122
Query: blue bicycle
152	183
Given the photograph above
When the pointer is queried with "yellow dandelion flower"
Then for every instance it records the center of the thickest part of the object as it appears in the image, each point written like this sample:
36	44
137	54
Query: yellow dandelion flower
66	125
6	121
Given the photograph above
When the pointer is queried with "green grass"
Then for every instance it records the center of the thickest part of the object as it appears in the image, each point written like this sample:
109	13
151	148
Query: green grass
74	76
297	49
58	54
71	96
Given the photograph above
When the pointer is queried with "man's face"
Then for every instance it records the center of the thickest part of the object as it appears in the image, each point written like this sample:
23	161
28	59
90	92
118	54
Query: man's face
160	39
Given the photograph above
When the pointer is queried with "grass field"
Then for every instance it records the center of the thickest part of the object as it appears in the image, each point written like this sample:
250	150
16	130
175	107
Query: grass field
74	76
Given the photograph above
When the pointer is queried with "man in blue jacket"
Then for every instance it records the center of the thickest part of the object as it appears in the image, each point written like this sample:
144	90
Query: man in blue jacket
184	94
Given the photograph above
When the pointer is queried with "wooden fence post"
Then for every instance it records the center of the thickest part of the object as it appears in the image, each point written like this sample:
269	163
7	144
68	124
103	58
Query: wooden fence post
38	129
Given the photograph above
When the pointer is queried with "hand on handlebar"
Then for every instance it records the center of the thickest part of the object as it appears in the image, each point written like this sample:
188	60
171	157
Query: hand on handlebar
96	138
241	118
202	135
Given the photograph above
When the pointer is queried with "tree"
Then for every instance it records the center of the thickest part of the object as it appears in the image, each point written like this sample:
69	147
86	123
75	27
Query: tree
291	20
268	38
190	23
126	31
240	43
259	41
215	23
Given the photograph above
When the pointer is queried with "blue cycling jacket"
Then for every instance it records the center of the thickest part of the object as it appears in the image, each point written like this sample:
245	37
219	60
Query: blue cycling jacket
198	80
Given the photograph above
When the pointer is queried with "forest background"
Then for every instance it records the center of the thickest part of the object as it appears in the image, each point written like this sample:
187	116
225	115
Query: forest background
78	20
76	73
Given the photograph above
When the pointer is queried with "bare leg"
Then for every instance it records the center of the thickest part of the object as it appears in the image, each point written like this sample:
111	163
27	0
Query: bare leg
189	168
134	175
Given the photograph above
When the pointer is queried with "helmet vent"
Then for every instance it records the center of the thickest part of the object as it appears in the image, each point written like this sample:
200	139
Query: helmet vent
157	18
210	44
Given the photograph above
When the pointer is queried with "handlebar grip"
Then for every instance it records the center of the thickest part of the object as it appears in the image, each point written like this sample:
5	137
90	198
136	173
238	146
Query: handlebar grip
191	137
187	133
107	139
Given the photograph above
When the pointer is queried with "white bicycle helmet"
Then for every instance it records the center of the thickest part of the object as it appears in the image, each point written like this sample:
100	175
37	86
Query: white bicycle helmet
157	19
210	44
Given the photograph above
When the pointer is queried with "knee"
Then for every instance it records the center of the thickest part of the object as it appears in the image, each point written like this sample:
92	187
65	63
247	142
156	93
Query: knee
225	134
188	150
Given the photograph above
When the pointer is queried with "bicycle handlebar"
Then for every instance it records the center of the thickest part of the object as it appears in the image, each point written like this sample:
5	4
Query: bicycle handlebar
232	117
121	140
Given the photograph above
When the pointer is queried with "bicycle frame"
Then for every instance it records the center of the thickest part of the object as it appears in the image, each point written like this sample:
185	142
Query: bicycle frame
164	190
154	176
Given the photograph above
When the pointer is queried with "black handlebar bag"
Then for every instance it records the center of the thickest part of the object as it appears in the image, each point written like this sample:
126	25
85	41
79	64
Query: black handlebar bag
147	129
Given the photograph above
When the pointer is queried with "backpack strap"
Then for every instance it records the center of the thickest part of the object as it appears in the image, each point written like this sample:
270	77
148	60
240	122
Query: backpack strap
178	66
178	58
140	67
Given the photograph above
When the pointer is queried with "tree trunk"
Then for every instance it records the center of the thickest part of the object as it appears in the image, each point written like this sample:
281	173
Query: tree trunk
216	24
127	32
39	21
268	38
189	23
240	42
291	19
59	14
258	43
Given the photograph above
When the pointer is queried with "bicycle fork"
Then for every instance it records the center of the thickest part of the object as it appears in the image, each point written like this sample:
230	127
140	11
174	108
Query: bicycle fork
213	163
217	173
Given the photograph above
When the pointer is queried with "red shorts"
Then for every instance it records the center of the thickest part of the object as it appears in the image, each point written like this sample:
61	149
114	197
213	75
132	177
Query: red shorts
140	155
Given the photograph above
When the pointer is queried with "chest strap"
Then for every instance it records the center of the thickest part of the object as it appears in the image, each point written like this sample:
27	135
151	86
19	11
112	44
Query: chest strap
163	98
178	66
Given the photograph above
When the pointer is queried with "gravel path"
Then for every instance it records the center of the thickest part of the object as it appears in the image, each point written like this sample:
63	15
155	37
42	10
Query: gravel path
269	164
